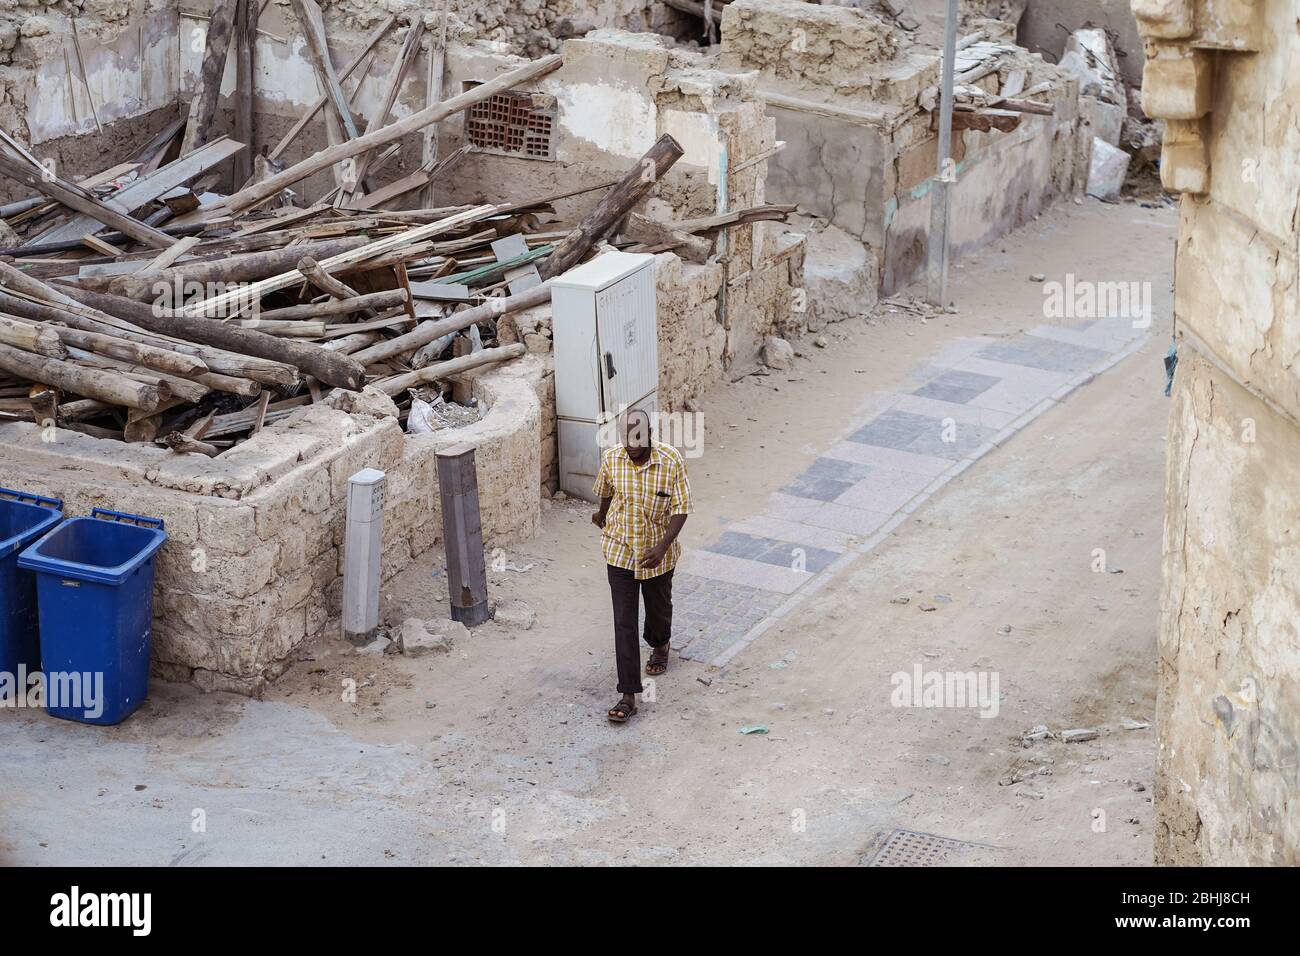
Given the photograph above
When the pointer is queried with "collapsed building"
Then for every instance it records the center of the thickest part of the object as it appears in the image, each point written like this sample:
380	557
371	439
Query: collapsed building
831	108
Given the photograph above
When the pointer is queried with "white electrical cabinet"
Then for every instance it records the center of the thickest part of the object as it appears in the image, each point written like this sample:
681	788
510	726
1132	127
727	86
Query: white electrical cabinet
605	331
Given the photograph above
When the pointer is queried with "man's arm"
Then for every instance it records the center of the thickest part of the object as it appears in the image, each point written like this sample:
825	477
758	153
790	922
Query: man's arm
655	556
598	519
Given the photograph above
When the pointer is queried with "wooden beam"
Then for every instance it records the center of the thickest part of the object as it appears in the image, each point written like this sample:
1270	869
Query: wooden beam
203	107
31	338
361	57
147	188
456	366
81	201
258	192
434	92
392	86
245	85
426	332
635	185
230	336
110	387
217	305
313	31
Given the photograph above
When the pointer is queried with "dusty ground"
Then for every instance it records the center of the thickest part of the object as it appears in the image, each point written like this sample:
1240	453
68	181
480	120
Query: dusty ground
499	751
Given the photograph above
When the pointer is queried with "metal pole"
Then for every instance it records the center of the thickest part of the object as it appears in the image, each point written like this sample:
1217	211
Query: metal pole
940	199
463	535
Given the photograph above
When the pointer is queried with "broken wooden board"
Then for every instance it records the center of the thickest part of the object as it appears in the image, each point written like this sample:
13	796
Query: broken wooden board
146	189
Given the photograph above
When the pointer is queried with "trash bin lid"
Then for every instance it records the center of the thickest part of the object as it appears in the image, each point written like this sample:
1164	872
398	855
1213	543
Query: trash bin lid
25	517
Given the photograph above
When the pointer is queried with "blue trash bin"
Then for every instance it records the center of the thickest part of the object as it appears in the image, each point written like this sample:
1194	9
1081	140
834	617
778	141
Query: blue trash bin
94	581
23	518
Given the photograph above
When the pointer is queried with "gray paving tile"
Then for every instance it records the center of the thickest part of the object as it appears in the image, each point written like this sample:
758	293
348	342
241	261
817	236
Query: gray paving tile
771	551
922	435
956	386
1036	352
826	479
895	429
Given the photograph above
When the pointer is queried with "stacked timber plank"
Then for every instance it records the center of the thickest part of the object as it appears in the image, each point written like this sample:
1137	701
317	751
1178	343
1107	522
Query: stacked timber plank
139	305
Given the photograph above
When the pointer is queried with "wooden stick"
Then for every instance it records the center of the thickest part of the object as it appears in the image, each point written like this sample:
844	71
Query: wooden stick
316	310
426	332
613	206
106	386
261	412
203	107
456	366
252	293
256	193
330	367
182	445
85	77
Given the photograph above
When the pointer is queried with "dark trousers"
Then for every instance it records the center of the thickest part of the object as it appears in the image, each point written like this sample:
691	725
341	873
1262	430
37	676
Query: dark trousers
627	591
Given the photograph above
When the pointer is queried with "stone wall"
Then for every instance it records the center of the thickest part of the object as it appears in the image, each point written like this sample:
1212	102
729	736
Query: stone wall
1225	76
253	562
845	88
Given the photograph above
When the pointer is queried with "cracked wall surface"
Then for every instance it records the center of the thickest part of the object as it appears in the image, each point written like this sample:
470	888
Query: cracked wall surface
847	91
1225	76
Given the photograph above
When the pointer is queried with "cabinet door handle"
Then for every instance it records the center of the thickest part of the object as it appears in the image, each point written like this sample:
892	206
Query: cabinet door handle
609	365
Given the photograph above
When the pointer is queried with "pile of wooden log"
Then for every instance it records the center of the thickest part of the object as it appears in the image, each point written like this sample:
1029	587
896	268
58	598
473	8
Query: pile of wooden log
140	306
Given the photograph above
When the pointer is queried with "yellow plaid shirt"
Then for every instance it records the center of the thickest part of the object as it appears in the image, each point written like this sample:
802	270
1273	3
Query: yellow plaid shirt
645	497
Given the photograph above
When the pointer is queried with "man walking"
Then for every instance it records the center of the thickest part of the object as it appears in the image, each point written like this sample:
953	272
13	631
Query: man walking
644	500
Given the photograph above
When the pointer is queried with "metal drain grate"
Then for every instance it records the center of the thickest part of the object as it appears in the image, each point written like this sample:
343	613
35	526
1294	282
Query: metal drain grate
912	848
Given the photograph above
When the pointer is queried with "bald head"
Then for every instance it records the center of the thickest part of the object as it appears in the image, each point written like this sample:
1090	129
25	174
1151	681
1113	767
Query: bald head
636	434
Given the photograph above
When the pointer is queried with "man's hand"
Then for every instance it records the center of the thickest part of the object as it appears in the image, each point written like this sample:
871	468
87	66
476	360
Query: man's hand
655	556
598	519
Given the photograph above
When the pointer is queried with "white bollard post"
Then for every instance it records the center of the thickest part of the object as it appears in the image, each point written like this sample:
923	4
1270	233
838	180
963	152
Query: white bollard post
362	548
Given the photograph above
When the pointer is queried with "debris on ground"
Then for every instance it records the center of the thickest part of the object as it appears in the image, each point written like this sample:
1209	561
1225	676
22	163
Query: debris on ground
1078	735
778	353
418	638
515	614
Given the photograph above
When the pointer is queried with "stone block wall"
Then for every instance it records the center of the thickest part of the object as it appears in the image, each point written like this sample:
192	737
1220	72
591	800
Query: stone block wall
253	562
859	152
1225	76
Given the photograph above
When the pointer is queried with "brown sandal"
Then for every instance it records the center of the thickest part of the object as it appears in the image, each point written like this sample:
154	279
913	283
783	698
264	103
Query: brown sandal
621	711
657	665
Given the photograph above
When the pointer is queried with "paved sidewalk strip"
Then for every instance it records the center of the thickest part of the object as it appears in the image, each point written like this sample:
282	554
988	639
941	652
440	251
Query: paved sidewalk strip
967	400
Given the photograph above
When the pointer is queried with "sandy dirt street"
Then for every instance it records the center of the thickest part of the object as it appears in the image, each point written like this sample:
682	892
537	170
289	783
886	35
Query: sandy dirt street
499	751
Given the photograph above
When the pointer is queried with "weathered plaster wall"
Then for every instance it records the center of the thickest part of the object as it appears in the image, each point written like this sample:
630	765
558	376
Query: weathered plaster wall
860	153
1225	75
